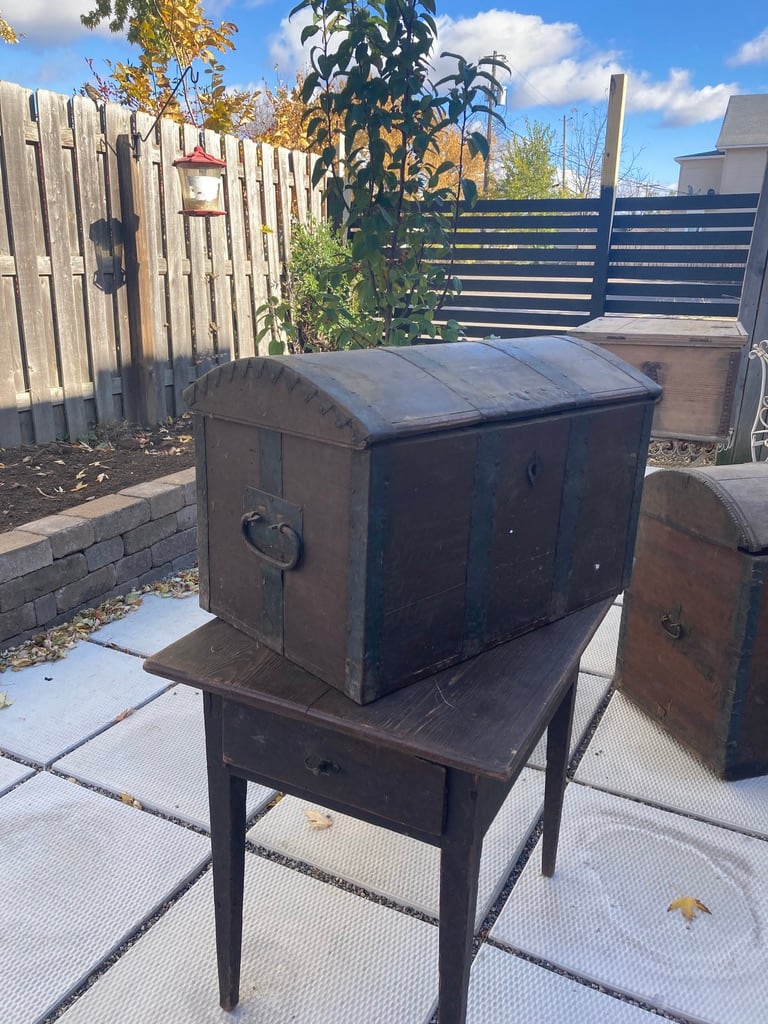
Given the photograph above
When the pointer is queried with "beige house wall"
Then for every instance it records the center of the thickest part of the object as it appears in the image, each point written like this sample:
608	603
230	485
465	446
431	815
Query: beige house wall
744	169
699	175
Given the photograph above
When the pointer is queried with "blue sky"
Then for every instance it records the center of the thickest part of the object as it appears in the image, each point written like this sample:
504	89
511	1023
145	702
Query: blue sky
683	60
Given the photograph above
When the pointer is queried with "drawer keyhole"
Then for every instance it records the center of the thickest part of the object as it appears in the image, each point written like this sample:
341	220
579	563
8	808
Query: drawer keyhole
321	766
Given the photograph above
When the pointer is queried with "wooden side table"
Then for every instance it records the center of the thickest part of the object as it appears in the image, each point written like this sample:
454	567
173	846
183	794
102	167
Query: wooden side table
434	760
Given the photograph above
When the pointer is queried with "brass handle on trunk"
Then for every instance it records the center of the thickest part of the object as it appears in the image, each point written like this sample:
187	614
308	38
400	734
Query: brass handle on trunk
277	544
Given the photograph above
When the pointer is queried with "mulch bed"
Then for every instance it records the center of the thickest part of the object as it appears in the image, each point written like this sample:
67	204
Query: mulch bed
40	480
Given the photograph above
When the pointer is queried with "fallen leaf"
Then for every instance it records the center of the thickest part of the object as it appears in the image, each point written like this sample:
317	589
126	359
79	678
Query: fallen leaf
131	801
688	905
4	702
316	819
101	478
80	475
80	486
125	714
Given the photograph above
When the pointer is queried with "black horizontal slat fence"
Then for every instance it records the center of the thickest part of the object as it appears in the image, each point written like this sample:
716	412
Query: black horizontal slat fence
530	265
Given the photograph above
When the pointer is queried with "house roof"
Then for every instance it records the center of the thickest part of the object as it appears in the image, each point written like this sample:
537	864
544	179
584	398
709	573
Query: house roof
700	156
745	122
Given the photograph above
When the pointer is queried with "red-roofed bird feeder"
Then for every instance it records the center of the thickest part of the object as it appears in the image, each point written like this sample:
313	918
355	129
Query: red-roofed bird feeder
200	177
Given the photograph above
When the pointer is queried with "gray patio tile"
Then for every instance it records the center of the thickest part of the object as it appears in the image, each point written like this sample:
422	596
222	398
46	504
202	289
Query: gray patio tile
402	869
80	873
589	693
604	913
60	704
599	659
631	755
157	755
12	772
504	988
312	954
157	622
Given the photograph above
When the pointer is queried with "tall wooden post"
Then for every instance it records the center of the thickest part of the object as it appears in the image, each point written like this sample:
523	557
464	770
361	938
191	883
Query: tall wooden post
608	182
146	399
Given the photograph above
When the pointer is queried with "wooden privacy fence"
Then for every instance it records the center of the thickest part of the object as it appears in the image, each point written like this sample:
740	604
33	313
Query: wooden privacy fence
540	266
110	302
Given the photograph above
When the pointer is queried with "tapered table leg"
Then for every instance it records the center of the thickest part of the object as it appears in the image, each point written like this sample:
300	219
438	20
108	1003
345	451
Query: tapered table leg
459	870
558	747
226	797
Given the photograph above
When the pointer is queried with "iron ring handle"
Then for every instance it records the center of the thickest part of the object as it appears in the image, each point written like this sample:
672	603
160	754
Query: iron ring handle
671	628
284	564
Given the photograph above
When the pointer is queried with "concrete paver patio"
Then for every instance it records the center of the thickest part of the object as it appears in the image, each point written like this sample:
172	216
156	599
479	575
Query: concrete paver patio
107	911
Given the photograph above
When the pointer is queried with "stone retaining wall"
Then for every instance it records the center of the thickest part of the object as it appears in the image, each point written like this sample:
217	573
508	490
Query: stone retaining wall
51	568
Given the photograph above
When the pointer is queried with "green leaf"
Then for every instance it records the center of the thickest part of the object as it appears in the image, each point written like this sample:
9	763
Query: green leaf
469	190
308	31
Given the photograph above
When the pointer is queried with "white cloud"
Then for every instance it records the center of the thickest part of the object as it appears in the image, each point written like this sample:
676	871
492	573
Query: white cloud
552	64
565	82
678	101
526	40
753	51
44	23
285	49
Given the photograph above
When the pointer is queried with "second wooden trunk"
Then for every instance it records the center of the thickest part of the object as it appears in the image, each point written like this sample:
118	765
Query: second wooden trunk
695	360
693	650
376	515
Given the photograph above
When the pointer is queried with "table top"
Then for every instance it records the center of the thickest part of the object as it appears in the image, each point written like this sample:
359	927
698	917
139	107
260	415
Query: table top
480	715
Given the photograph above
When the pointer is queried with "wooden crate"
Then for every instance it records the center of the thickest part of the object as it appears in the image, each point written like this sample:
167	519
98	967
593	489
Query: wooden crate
376	515
693	649
695	360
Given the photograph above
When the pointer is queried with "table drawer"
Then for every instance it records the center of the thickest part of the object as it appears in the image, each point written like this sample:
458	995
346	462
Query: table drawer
358	774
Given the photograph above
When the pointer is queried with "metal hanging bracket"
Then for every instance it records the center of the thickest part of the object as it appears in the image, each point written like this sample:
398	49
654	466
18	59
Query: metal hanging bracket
136	137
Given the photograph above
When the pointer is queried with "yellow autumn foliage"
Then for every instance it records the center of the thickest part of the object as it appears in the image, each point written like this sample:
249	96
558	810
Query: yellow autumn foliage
7	34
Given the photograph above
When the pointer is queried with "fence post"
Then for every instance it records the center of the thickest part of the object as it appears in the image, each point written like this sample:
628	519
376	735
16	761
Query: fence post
608	182
753	316
145	401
